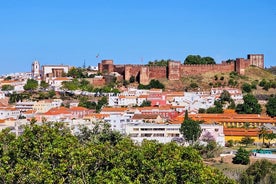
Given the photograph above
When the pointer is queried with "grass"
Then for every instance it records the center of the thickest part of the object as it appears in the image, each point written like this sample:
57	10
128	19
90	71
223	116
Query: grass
251	74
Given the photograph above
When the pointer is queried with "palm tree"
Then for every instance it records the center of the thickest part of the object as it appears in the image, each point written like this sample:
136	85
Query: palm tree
262	133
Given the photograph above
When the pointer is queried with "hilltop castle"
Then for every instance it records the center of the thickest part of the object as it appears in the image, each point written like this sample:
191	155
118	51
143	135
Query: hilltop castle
175	70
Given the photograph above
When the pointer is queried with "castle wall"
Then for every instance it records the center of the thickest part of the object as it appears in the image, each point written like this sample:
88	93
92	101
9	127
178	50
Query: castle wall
119	69
174	70
187	70
132	70
157	72
241	65
144	75
256	60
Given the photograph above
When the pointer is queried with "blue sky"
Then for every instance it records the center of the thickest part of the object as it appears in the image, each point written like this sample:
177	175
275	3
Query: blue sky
69	32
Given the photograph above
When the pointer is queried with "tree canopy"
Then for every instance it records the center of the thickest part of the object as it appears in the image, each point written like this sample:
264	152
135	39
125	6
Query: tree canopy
262	171
153	84
49	153
249	106
161	62
31	85
190	129
271	106
197	59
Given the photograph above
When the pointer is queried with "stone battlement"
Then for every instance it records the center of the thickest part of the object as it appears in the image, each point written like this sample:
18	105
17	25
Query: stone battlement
175	69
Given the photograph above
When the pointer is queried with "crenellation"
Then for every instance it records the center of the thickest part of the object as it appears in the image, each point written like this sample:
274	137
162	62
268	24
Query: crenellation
175	70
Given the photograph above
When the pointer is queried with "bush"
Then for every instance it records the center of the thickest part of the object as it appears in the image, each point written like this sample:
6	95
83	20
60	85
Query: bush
242	157
246	88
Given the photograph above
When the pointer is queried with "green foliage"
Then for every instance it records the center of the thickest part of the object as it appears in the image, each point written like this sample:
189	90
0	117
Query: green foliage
230	143
49	153
146	103
132	79
7	87
241	157
262	171
193	85
161	62
153	84
77	73
246	88
249	106
225	96
197	59
232	82
247	140
8	78
31	85
16	97
211	150
190	129
201	111
44	84
267	84
217	109
84	102
271	106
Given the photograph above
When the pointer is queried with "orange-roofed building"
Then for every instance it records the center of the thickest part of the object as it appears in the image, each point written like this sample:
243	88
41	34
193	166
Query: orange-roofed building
164	111
109	110
56	114
231	119
236	134
147	118
79	112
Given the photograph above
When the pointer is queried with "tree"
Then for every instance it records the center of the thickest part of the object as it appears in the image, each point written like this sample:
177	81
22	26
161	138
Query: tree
193	85
146	103
49	153
241	157
197	59
31	85
270	137
44	84
217	109
262	133
225	96
7	87
249	106
247	140
246	88
132	79
262	171
190	129
271	106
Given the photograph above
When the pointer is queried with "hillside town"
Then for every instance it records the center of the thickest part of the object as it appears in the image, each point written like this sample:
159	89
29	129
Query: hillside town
153	114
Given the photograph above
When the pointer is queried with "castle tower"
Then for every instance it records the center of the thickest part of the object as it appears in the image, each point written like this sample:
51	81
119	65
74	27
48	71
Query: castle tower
256	60
174	70
35	69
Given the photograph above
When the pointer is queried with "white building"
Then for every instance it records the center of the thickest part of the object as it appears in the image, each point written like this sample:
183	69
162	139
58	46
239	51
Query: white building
6	113
165	133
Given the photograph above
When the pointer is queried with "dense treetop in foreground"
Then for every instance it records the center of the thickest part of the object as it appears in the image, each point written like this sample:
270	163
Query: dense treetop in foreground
49	153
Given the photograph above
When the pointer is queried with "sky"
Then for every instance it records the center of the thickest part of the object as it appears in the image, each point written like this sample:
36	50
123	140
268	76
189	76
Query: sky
72	32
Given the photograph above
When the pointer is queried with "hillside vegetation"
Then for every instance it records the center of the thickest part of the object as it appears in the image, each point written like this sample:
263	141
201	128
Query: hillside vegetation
231	79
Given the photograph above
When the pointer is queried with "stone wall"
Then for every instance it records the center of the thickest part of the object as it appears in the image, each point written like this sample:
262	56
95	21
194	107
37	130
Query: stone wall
174	70
157	72
187	70
132	70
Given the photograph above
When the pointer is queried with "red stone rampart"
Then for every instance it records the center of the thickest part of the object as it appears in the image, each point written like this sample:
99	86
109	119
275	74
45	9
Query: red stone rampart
187	70
132	70
175	69
157	72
